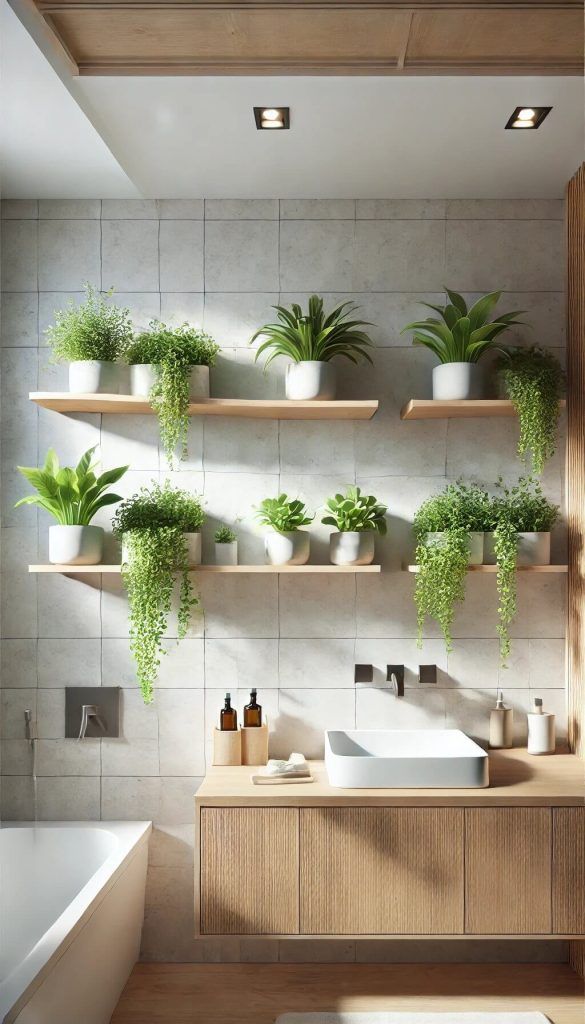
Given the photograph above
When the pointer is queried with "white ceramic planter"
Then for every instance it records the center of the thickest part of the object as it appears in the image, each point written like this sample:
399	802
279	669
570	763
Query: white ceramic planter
453	381
143	376
93	377
475	545
310	381
352	547
292	548
76	545
193	548
533	549
226	554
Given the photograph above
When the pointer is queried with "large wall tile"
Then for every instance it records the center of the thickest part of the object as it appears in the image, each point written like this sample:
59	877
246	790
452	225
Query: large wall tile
130	440
314	447
400	209
69	799
398	255
377	708
20	209
13	704
69	607
304	714
180	209
505	209
241	256
316	255
18	663
181	716
232	318
317	606
122	241
547	663
17	798
181	255
518	255
317	209
19	256
252	448
68	757
120	757
70	209
142	306
241	664
241	209
20	311
19	606
177	308
329	663
240	606
129	209
69	254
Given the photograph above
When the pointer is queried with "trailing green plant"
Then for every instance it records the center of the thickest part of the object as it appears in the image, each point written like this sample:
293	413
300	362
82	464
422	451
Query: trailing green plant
457	511
315	335
462	335
96	329
283	515
72	496
533	380
153	524
522	508
224	535
173	351
355	511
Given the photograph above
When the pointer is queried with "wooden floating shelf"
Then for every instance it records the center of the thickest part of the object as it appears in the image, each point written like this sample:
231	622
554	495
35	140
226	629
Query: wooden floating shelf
76	570
431	409
494	568
239	408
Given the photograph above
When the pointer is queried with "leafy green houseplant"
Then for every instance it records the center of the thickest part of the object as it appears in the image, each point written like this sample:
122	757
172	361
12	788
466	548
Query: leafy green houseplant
522	518
226	546
448	528
459	337
533	380
357	518
73	497
159	528
311	340
171	366
286	543
91	337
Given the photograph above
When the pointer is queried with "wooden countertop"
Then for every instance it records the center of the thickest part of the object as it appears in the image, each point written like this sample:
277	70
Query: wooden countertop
516	779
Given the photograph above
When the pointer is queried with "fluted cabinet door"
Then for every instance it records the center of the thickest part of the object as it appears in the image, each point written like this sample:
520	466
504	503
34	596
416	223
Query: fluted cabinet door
249	870
381	870
569	870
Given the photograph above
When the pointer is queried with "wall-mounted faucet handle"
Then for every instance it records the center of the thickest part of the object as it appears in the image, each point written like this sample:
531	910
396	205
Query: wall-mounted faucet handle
427	675
90	711
395	676
363	674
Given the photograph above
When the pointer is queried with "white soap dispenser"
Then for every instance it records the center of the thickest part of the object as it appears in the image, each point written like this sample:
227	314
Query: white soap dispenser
541	729
501	725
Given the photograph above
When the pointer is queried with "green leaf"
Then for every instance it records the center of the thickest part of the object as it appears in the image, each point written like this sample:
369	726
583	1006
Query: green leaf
458	301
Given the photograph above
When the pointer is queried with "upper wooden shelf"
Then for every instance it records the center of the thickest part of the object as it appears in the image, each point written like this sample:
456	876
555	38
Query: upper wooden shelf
242	408
433	409
494	568
76	570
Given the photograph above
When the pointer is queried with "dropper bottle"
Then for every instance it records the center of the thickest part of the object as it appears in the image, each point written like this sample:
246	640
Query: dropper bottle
501	725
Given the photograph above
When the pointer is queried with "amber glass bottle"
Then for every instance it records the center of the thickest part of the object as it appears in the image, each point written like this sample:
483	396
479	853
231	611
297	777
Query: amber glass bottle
252	712
228	719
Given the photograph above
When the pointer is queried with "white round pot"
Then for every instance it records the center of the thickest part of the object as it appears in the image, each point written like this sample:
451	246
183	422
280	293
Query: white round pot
475	545
310	381
76	545
352	547
193	548
143	377
94	377
290	548
226	554
533	549
453	381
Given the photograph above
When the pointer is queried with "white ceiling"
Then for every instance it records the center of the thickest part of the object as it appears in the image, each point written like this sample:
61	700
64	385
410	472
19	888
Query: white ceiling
367	137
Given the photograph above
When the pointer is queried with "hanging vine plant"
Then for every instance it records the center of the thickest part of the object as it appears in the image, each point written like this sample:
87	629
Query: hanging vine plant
533	380
153	525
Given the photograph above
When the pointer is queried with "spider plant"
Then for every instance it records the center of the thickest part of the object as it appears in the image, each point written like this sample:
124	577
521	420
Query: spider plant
315	336
462	335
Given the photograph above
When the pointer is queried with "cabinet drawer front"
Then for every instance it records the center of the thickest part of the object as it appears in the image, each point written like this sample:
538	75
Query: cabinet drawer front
383	870
249	870
569	870
508	870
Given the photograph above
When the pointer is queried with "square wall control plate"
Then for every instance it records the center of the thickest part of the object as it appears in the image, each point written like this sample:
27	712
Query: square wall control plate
106	700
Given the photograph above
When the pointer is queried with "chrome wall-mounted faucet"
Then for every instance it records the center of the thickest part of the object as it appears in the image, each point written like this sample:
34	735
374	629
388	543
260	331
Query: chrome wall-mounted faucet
90	711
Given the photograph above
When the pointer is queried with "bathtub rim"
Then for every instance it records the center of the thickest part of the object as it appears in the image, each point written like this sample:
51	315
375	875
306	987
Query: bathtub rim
29	975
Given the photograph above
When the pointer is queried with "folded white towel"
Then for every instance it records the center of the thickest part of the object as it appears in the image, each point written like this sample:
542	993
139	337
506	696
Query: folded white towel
296	765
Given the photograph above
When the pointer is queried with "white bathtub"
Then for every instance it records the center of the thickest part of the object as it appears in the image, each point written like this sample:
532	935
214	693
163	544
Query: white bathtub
71	912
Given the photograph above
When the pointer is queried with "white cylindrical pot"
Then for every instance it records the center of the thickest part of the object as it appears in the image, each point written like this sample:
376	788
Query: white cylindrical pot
533	549
193	548
352	547
475	545
309	381
455	381
76	545
291	548
143	377
93	377
226	554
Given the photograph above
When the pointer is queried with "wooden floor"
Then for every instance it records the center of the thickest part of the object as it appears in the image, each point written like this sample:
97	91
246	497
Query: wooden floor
258	993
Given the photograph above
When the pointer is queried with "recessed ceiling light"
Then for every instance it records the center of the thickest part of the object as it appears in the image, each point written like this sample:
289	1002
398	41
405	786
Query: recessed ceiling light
272	117
528	117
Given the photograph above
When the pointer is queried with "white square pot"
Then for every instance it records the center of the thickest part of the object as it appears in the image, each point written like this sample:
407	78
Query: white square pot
310	381
94	377
226	554
143	377
533	549
193	548
291	548
352	547
75	545
456	381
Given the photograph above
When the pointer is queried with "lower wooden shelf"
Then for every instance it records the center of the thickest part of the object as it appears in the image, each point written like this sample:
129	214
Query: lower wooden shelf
83	570
436	409
494	568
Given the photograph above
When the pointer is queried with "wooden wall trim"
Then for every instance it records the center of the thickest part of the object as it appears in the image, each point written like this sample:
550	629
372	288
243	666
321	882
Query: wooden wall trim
576	459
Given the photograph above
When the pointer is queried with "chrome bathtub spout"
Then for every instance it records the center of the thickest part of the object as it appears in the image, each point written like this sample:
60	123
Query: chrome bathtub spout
90	711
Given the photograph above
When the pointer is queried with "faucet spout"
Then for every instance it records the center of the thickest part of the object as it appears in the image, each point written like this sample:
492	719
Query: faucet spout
395	676
30	727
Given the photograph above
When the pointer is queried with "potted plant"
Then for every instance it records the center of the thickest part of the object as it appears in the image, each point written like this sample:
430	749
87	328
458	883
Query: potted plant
533	380
286	543
449	529
91	337
226	546
160	532
73	497
171	366
311	340
458	340
358	517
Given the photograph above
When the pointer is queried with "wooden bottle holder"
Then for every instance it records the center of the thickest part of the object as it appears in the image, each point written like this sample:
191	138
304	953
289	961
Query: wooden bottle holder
227	747
255	744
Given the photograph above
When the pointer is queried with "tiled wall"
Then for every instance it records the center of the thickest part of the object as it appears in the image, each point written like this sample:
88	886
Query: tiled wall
224	263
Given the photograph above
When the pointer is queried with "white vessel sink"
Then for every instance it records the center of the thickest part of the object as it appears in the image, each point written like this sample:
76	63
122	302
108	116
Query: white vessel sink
404	759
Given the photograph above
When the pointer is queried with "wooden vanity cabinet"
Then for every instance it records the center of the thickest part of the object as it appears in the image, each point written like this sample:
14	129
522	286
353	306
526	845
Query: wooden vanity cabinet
568	859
